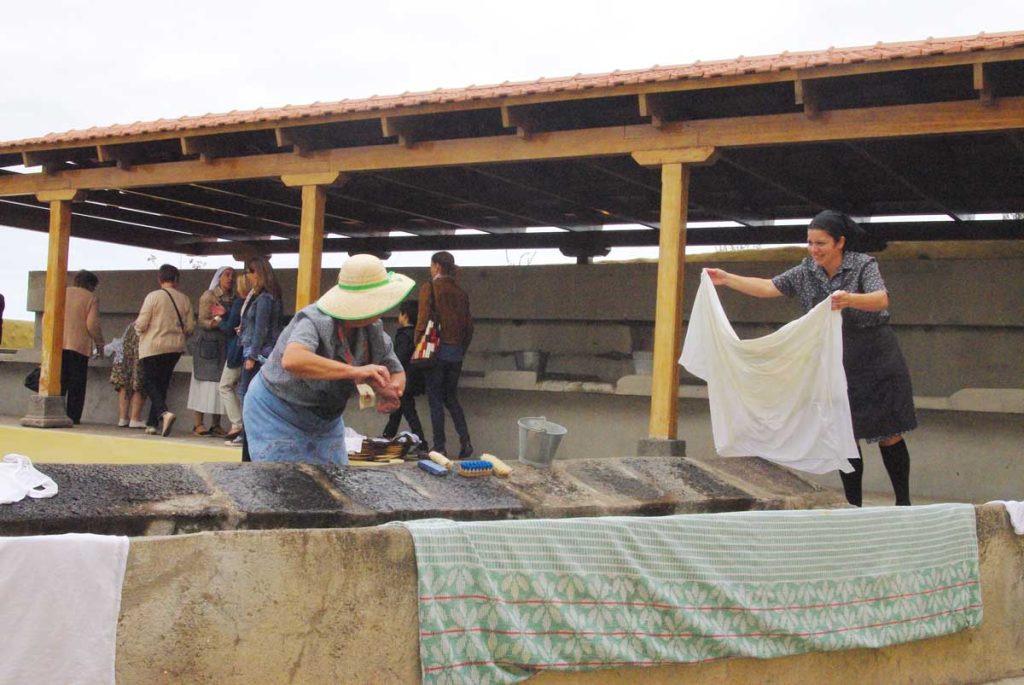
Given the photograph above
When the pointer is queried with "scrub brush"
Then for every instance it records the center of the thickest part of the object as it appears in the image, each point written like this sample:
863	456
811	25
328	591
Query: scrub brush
501	469
440	459
472	468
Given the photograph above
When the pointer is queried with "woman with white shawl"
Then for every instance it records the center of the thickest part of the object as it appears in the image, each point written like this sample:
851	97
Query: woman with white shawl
208	353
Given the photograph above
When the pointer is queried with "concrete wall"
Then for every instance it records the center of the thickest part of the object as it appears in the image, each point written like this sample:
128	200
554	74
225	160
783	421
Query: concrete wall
960	322
339	606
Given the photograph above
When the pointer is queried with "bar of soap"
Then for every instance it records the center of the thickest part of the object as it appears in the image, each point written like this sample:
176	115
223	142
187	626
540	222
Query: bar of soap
367	398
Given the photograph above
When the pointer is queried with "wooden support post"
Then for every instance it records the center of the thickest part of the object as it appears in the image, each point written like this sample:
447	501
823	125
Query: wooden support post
669	308
53	299
311	232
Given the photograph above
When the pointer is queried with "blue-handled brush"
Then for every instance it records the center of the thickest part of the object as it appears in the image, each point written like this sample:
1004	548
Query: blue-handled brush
472	468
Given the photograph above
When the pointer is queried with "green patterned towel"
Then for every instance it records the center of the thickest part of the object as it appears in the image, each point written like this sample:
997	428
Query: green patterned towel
499	601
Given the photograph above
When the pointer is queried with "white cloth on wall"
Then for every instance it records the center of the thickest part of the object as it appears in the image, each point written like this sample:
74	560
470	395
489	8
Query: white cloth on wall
1016	511
782	396
60	596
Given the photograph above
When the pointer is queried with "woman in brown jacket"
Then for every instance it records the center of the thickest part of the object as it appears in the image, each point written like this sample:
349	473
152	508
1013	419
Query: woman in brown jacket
451	306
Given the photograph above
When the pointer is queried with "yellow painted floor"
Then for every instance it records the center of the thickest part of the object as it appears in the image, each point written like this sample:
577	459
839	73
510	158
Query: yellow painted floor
94	443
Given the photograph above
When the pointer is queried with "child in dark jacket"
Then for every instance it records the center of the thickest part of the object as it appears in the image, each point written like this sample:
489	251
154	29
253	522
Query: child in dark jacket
405	342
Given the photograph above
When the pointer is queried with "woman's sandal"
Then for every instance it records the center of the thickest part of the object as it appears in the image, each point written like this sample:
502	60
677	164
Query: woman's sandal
202	431
216	431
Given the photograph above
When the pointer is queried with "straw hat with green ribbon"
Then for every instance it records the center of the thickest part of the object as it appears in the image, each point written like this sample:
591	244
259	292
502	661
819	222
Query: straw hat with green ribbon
365	289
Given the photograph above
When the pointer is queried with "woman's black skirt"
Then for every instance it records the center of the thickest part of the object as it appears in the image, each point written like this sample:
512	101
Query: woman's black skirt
878	383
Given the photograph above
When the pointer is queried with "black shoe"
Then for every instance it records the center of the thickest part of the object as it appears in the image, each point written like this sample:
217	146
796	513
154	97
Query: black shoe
466	452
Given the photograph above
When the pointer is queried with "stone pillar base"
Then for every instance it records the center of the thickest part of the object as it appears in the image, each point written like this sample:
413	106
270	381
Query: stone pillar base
660	447
46	411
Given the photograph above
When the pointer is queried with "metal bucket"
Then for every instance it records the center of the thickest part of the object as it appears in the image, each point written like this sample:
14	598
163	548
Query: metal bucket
538	440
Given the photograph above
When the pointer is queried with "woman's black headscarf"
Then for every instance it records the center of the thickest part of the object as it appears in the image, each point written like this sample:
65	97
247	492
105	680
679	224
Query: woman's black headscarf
838	225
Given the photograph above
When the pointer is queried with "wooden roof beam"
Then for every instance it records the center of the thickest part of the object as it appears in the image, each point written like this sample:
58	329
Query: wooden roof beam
984	84
121	155
806	93
831	126
517	118
294	138
398	127
208	147
652	105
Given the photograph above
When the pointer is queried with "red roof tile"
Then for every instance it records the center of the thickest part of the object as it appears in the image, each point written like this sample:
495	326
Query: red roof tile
880	52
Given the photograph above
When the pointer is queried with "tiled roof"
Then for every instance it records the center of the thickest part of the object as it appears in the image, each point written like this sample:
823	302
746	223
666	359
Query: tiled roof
786	61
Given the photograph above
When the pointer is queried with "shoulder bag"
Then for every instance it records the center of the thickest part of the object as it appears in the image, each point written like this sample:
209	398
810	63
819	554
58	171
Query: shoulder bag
425	353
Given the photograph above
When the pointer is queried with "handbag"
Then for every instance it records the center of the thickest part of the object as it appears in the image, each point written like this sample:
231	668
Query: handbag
425	353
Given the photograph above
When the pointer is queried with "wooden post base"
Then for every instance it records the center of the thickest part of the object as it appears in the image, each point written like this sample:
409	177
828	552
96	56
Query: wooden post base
46	411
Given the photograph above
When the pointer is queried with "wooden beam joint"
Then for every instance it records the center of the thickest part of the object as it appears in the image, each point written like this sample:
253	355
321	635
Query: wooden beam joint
805	93
326	178
653	106
397	127
516	117
64	194
984	84
690	156
294	138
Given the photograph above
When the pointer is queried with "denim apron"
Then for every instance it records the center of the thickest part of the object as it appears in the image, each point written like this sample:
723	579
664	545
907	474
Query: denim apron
280	432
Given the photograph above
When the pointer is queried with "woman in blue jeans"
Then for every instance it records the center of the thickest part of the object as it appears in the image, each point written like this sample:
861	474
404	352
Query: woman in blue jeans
450	306
260	327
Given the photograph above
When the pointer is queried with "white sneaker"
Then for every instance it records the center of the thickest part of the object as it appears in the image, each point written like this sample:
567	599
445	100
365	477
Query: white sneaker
122	423
136	424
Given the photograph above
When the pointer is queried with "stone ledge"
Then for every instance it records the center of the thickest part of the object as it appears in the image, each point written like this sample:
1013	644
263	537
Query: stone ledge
166	499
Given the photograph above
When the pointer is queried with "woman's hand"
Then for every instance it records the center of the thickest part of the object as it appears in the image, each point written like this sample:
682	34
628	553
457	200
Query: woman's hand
717	276
376	375
250	364
840	300
217	310
389	398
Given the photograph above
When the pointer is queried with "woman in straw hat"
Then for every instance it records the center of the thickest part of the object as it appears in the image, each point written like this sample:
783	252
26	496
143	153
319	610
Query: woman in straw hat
292	410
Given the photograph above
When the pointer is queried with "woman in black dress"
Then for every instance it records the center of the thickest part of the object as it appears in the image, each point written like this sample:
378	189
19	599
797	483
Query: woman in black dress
878	382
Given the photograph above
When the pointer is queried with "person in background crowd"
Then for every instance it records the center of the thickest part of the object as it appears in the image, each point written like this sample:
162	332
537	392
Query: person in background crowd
208	353
2	303
877	378
82	337
164	324
451	304
293	410
232	373
261	325
404	344
126	377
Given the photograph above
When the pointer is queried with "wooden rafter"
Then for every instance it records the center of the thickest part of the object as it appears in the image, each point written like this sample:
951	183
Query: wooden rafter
489	206
749	170
600	214
901	178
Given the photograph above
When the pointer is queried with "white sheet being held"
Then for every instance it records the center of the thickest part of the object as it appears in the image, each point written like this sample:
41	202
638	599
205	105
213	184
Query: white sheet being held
782	396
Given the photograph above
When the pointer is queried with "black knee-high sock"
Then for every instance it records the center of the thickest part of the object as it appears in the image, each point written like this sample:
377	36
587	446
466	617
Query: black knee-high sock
852	481
897	462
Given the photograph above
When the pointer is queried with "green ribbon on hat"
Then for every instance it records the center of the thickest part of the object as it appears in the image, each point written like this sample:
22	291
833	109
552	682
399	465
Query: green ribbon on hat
368	286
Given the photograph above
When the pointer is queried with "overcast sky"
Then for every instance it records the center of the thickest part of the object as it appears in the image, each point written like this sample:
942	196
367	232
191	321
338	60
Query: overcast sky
68	64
